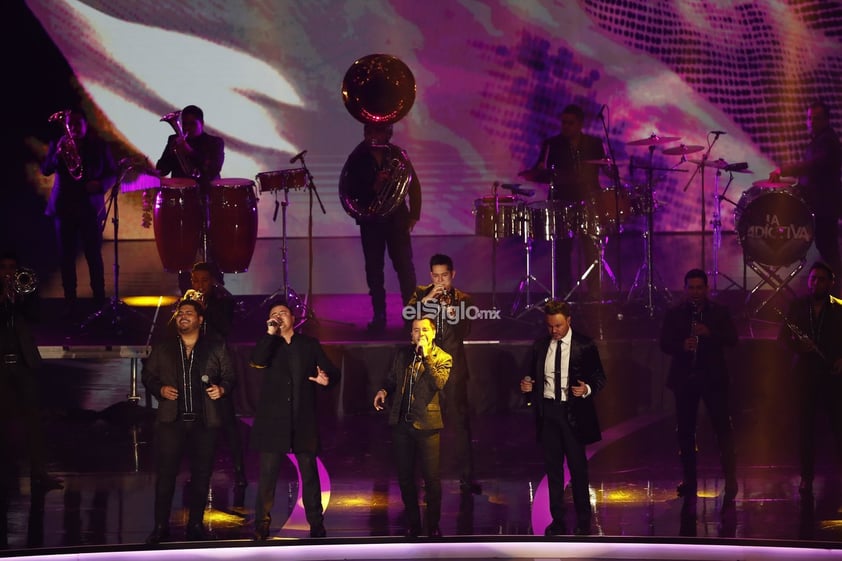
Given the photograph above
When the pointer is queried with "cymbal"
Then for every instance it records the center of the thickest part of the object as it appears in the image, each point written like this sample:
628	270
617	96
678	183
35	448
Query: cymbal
654	140
765	184
718	164
682	149
538	175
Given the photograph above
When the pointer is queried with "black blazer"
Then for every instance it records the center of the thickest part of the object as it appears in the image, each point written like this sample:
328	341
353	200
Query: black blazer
433	372
586	366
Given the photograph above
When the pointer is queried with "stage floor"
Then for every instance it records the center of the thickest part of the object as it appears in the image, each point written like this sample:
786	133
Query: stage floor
101	445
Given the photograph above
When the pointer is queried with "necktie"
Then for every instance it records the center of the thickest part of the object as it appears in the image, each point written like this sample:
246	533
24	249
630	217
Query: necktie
557	372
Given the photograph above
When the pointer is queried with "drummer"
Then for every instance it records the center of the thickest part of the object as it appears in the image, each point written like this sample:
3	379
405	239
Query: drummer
572	182
195	155
818	178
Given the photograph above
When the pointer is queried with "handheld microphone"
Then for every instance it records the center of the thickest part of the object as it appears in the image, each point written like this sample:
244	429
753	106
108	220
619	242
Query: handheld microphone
527	397
206	381
717	133
601	111
298	156
273	323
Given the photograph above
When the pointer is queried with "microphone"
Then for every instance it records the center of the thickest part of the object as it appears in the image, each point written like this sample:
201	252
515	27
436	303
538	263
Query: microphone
298	156
601	111
717	133
206	381
527	397
273	323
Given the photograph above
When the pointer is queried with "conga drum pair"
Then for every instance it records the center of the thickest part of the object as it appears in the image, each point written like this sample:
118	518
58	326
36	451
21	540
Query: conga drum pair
231	228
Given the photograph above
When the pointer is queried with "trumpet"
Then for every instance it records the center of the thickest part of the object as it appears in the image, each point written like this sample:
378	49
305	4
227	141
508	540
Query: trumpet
68	150
173	118
24	281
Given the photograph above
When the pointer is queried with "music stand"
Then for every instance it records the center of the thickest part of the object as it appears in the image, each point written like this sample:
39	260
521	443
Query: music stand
114	310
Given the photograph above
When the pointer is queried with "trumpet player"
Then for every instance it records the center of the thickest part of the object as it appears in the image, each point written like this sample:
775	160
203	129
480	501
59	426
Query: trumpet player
19	362
84	170
812	331
445	305
695	334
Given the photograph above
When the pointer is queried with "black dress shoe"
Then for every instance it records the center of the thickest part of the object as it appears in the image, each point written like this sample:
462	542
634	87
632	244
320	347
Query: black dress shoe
376	326
434	532
412	532
470	487
318	531
555	529
159	534
261	531
196	533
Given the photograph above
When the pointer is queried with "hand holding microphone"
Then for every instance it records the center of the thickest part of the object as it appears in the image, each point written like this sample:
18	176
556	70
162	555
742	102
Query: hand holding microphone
419	349
526	389
213	391
272	326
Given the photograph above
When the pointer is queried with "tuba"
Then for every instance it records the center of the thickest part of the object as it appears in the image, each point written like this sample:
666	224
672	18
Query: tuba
173	118
379	89
68	150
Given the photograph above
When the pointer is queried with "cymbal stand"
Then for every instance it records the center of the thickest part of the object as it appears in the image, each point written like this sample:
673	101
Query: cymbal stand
647	270
618	187
494	239
716	222
600	264
114	309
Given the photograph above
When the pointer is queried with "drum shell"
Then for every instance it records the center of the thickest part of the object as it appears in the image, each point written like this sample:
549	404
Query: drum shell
510	216
282	179
559	219
232	230
611	207
775	226
177	223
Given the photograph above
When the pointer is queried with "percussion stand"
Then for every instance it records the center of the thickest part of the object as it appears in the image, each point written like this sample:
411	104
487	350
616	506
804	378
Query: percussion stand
524	289
600	264
769	275
114	309
716	222
647	267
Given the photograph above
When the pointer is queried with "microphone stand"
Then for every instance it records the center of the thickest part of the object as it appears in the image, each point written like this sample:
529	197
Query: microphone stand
615	179
114	309
702	167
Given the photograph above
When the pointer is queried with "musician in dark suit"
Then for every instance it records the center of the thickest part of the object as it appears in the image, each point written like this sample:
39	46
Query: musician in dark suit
446	305
188	374
574	182
414	382
813	332
695	334
565	375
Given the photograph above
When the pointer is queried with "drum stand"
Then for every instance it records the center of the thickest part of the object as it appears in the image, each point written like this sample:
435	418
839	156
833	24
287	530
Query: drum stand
522	303
769	275
602	269
646	270
115	310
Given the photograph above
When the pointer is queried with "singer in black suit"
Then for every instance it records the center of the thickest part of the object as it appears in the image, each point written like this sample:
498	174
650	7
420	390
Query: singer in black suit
695	334
188	374
413	384
565	375
574	182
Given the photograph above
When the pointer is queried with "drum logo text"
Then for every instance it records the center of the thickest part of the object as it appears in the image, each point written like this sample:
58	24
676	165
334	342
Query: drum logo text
774	230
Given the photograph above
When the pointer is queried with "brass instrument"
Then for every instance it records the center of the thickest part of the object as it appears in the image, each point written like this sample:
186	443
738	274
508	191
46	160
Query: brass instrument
68	149
800	335
695	318
23	282
379	89
193	294
173	118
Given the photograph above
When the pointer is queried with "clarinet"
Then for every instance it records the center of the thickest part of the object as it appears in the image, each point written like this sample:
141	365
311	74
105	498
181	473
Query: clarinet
800	335
695	317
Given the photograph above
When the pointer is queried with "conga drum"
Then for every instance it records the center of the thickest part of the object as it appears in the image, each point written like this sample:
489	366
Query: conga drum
232	232
177	223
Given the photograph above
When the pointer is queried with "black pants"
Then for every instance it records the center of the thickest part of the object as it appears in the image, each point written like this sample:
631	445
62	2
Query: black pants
823	394
231	430
378	237
412	446
311	490
20	409
715	397
172	441
69	230
560	443
457	421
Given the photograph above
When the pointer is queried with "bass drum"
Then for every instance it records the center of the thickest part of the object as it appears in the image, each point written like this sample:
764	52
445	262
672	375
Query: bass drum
232	231
775	226
177	221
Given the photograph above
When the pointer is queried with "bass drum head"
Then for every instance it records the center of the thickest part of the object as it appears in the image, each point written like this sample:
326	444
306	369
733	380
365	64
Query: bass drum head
775	226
